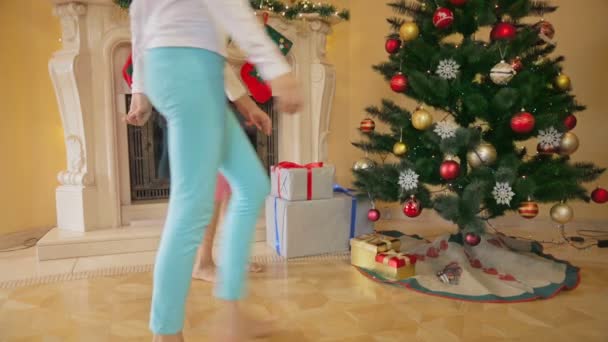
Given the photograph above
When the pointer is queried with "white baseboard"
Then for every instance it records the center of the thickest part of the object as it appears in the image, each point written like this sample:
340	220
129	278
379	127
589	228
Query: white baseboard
141	236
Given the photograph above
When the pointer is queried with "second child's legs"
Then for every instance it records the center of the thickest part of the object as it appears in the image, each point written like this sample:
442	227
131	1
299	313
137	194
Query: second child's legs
204	267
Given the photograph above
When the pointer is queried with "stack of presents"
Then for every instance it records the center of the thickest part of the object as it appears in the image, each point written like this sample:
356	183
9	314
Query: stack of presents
307	214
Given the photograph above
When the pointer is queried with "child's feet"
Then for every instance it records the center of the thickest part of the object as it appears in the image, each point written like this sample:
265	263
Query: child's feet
233	325
205	273
254	267
208	273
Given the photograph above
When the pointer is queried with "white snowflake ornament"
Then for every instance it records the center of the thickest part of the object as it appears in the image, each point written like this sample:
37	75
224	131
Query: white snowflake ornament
549	138
447	69
445	129
503	194
408	180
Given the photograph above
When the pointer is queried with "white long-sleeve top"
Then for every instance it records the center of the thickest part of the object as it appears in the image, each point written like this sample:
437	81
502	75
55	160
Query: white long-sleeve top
199	23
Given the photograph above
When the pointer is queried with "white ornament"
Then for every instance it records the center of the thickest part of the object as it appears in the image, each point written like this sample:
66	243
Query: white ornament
550	137
445	129
502	73
408	179
503	194
447	69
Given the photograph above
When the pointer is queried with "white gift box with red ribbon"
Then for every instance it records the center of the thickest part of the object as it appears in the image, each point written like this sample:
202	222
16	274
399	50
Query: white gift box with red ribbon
295	182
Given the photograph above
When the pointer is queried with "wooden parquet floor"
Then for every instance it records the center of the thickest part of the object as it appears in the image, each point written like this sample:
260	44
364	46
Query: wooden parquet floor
314	301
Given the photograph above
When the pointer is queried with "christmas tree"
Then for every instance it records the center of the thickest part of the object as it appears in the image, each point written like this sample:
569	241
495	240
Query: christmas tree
492	92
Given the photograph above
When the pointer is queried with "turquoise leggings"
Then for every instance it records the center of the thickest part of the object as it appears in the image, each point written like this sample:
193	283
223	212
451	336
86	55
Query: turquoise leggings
187	86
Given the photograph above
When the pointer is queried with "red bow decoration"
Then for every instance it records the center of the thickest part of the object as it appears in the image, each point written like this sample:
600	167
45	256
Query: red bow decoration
290	165
127	70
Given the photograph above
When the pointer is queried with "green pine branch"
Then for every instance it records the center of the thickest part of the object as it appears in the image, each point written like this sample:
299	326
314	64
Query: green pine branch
405	7
395	23
541	8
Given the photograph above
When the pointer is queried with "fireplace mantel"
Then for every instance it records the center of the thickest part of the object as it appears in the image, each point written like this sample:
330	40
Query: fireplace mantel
86	78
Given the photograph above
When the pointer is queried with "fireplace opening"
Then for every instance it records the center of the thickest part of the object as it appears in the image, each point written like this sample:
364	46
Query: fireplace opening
147	150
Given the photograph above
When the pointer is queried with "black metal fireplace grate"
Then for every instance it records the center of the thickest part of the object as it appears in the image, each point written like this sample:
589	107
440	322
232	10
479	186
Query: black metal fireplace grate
146	149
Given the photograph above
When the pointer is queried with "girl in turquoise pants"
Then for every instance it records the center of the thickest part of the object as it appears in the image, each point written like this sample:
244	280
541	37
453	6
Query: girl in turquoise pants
178	64
187	86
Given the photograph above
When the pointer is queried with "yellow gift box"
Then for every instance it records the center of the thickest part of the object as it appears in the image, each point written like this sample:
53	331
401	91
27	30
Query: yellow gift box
395	266
364	249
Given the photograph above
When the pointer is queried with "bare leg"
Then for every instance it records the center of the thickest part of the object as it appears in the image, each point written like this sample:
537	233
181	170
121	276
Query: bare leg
204	267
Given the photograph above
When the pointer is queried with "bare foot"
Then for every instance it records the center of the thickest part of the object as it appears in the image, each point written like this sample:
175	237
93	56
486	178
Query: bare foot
233	325
254	267
206	273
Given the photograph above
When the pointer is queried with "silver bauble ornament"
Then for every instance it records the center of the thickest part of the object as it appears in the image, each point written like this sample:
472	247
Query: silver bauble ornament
483	154
502	73
364	164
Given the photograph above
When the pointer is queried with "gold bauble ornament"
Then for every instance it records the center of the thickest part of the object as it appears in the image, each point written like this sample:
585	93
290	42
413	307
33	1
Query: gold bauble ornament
483	154
421	119
569	144
562	213
399	148
562	82
364	164
479	78
409	31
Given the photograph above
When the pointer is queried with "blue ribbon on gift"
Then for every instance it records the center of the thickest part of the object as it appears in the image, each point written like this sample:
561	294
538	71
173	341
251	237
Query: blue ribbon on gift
353	207
277	242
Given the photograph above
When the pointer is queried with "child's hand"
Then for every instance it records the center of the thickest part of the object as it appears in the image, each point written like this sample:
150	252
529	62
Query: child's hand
261	120
140	110
253	115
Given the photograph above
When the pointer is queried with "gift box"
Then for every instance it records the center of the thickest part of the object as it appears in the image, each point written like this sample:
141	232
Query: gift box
295	182
395	266
359	223
302	228
364	249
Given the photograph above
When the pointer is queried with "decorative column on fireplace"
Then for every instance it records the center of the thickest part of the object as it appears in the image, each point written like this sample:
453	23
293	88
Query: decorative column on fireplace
93	191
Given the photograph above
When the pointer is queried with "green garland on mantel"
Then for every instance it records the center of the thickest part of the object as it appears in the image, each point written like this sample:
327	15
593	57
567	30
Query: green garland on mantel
298	10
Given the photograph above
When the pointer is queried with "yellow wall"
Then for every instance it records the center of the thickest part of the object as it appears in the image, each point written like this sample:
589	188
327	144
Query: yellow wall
31	141
582	33
31	136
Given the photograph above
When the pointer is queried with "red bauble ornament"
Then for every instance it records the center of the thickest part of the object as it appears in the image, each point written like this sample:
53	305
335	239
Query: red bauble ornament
443	18
546	31
546	150
472	239
503	31
392	45
570	122
367	125
449	170
373	215
522	123
399	83
458	2
516	64
599	195
412	207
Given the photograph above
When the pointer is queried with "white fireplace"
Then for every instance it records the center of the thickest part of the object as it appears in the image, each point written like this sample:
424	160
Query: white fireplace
95	214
